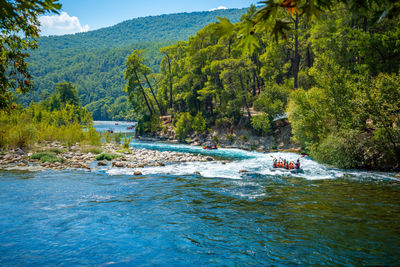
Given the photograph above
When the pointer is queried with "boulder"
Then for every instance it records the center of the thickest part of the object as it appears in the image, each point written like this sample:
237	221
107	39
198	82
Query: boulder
136	173
19	151
397	175
101	163
243	171
118	164
209	159
196	172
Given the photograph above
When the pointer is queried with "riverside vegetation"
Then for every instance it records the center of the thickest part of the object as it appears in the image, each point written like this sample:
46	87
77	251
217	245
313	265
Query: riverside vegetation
337	78
57	133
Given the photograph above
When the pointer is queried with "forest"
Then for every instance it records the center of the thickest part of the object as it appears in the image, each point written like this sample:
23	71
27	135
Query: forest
337	77
94	61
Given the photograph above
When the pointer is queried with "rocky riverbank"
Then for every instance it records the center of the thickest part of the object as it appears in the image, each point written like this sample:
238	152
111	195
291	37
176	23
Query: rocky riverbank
77	157
278	139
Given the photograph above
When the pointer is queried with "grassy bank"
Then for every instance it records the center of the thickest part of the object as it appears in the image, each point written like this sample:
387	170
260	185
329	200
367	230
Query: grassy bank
23	127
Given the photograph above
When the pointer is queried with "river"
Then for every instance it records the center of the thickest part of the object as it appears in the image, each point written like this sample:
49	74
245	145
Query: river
173	217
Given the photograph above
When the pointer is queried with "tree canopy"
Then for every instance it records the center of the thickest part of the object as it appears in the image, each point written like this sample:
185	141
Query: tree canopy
19	32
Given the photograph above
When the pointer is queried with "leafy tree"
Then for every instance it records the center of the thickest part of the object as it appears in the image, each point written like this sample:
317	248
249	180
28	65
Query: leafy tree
19	32
68	93
261	123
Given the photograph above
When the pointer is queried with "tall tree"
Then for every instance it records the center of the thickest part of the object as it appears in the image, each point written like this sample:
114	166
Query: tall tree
137	75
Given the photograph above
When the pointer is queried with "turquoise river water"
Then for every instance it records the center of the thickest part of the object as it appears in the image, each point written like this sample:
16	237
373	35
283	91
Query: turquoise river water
173	217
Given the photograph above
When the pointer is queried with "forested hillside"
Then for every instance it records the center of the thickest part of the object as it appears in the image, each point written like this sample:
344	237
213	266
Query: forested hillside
337	78
95	61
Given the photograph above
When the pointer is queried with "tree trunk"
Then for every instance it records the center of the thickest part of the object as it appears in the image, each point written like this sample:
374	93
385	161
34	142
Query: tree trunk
152	92
296	62
144	94
170	81
244	96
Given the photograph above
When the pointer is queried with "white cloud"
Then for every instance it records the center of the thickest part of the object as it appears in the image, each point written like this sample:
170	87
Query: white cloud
61	24
218	8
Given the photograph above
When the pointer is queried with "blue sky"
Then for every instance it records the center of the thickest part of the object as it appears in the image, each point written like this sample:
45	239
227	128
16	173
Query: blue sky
84	15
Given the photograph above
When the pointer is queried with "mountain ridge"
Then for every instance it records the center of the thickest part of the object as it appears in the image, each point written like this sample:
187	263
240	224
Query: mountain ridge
141	29
94	61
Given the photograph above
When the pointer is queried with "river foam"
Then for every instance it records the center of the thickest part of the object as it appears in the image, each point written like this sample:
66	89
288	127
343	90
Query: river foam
241	164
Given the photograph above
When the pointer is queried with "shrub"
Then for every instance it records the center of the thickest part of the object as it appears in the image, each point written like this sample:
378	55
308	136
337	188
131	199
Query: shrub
215	139
243	138
72	134
106	156
343	149
117	138
261	124
51	159
126	142
39	155
273	99
92	149
22	135
55	150
183	125
199	123
124	151
46	157
108	137
92	136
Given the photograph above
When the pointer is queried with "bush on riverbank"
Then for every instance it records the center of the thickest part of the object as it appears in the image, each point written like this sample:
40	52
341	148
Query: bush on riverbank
22	127
186	124
348	121
47	157
106	156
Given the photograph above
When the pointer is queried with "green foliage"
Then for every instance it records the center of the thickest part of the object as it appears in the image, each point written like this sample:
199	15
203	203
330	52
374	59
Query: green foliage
273	99
92	137
21	136
108	137
23	127
358	128
117	138
94	60
39	155
343	150
126	142
46	157
183	125
19	33
92	149
55	150
261	123
199	123
68	93
243	138
148	124
124	151
107	156
51	159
